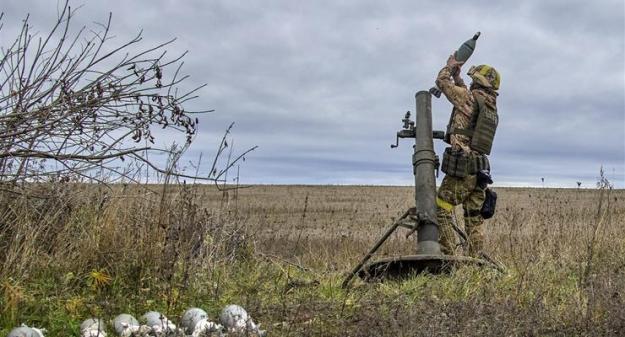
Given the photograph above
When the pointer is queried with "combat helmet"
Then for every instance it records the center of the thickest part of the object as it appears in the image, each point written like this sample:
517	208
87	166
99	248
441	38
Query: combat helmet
485	75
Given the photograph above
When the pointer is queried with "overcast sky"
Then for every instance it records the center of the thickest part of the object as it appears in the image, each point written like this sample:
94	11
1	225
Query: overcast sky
321	86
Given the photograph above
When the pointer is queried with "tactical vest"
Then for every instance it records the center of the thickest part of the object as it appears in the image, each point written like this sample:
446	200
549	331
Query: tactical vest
482	128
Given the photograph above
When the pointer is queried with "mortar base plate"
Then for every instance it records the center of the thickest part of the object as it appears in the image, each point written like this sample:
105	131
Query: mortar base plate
405	266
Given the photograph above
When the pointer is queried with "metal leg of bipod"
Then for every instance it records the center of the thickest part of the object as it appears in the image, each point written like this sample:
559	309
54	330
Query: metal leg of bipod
373	250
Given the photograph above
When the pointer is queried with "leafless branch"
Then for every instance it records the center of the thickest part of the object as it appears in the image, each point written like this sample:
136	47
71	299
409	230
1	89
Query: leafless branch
71	103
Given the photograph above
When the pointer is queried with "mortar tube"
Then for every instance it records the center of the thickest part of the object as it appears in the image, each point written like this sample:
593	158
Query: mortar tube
423	161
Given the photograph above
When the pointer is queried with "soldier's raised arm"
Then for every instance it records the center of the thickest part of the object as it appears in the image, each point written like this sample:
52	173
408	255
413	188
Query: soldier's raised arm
454	89
458	79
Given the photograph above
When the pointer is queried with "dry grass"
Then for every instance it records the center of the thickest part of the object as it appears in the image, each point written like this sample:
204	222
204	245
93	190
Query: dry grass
282	251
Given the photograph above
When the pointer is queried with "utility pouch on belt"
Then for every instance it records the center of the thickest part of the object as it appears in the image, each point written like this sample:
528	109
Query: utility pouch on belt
477	163
488	208
458	163
455	163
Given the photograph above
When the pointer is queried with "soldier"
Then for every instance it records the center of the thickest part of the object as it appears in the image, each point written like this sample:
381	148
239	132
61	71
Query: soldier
470	133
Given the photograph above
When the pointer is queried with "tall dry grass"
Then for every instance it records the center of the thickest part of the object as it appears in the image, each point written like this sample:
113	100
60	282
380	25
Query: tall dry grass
102	244
123	229
68	251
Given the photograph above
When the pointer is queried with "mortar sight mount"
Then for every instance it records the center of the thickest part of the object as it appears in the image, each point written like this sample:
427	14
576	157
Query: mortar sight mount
421	218
409	131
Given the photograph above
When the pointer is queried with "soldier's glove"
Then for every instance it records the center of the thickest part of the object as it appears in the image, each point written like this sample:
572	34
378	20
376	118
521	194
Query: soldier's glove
484	179
453	63
455	72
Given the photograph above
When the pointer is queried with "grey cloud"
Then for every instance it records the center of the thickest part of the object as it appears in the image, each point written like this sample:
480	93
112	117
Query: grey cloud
321	86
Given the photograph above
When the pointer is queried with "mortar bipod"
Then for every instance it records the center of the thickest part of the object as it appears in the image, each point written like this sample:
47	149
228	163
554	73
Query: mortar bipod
409	220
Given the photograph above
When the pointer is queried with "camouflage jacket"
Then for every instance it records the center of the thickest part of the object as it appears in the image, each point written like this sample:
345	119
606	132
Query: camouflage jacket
462	99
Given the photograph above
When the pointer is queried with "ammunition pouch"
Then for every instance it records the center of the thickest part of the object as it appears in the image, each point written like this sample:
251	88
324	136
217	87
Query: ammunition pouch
490	203
477	163
457	163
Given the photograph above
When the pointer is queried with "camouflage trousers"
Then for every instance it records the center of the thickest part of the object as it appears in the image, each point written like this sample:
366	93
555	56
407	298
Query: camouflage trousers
454	191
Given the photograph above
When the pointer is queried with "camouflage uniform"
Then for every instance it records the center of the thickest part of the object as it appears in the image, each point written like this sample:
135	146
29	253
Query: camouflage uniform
453	190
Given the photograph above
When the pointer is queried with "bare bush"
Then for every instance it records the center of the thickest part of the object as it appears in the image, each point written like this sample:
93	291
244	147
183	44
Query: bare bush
75	109
71	103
